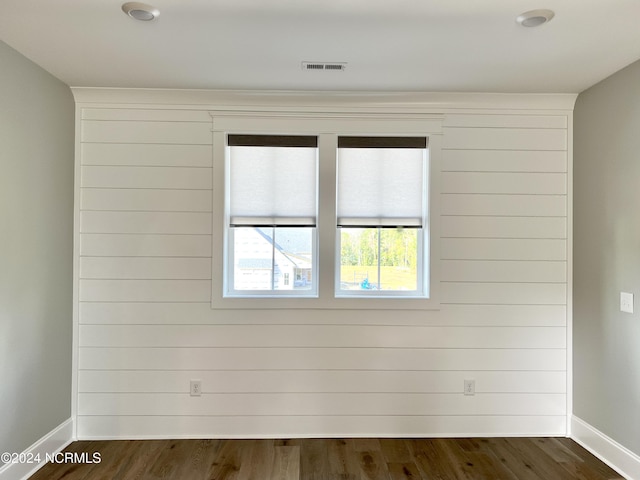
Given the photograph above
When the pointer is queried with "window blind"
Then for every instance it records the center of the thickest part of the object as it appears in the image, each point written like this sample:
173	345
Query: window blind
272	180
381	181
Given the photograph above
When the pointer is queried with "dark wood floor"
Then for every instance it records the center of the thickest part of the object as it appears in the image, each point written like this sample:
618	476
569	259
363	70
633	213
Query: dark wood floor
332	459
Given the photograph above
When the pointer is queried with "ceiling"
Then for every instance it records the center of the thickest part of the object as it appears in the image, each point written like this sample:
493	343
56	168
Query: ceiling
389	45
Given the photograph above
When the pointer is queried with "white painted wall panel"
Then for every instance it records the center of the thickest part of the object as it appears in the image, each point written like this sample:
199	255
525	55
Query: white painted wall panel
111	427
504	205
501	183
505	315
146	326
191	178
528	161
505	139
178	223
503	249
503	271
504	293
313	336
152	155
503	227
234	358
133	245
506	121
145	290
119	199
316	381
144	268
126	131
349	404
157	115
166	313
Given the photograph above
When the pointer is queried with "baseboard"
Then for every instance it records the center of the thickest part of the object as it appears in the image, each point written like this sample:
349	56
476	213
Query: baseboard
50	444
606	449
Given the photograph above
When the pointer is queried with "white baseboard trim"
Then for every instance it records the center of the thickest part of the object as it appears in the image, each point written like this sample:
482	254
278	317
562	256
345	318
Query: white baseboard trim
52	443
621	459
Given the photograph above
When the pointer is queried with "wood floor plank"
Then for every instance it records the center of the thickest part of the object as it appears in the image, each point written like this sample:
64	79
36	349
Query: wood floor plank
395	450
572	463
229	460
117	461
201	455
483	459
590	465
511	459
169	461
527	460
372	465
480	465
471	444
331	459
533	455
288	442
141	457
68	471
368	455
286	463
260	462
313	459
555	450
404	471
429	457
342	460
112	456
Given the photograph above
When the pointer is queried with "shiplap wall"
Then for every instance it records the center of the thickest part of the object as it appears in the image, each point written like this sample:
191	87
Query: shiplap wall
146	327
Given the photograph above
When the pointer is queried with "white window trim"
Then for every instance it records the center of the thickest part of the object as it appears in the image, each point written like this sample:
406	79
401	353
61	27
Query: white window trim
327	126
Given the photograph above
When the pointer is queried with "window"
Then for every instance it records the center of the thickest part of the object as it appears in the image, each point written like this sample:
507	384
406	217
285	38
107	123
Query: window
381	213
323	211
272	189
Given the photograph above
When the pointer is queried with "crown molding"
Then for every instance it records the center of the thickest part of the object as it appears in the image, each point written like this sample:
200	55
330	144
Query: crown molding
406	102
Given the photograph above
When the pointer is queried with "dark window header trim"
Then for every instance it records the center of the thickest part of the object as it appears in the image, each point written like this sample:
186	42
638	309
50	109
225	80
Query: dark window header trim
272	141
382	142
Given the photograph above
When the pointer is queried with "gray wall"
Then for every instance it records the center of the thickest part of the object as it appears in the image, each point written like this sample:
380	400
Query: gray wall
36	241
607	256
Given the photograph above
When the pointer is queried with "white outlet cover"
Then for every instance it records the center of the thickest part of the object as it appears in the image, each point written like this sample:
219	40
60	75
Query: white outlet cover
195	387
626	302
469	387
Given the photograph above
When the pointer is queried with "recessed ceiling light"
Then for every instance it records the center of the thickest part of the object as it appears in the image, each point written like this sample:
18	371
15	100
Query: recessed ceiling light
535	18
140	11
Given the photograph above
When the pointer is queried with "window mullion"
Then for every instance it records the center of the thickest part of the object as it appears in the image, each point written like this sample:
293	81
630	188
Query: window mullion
379	258
327	150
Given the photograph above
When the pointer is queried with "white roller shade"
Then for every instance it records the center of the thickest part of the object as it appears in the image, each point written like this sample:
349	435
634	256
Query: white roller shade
272	185
381	186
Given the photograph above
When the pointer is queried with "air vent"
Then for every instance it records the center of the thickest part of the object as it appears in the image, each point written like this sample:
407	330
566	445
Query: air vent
316	66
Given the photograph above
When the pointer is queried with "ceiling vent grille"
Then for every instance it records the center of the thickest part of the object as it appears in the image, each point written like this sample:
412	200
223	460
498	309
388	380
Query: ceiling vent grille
318	66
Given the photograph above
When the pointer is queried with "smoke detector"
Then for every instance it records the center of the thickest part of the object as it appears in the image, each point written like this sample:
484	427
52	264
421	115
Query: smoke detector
326	66
535	18
140	11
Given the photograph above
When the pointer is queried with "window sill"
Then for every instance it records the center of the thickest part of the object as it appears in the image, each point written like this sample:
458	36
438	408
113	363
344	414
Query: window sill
332	303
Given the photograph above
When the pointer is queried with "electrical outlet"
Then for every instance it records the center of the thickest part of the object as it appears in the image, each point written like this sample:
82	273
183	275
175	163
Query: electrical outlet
626	302
196	388
469	387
